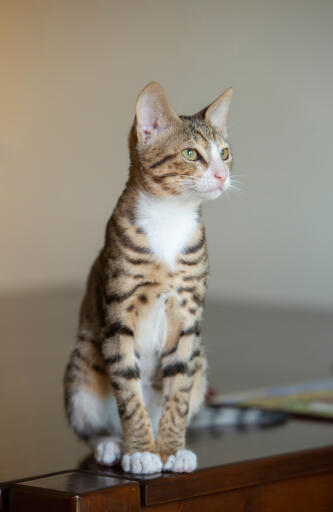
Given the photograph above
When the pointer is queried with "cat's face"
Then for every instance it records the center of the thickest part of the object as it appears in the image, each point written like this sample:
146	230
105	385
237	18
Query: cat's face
186	156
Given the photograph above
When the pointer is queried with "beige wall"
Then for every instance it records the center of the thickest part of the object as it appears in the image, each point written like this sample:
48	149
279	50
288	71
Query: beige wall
70	72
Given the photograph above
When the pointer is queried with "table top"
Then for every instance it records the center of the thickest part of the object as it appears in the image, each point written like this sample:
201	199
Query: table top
35	439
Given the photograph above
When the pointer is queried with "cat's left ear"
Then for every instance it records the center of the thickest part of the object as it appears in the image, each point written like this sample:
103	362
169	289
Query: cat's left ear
217	112
154	115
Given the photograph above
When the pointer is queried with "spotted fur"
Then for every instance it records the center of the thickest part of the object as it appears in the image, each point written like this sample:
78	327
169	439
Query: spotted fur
138	370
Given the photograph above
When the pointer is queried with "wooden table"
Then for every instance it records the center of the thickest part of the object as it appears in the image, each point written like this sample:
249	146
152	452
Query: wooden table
43	467
286	468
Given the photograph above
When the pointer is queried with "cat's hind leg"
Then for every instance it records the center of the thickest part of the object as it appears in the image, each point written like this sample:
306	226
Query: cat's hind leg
91	406
107	449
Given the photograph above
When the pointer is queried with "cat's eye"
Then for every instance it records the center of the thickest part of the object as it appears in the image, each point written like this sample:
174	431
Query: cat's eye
190	154
224	153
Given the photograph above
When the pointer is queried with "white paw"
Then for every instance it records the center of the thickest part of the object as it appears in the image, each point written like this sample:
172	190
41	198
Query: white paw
141	463
184	461
108	451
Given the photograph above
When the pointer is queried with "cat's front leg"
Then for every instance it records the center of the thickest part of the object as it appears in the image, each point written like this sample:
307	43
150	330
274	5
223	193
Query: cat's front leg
181	368
140	454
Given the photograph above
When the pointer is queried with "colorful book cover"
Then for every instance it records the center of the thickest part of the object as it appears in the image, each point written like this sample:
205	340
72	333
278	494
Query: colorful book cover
308	398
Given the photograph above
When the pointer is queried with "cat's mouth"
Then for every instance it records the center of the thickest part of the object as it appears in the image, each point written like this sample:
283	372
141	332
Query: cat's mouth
213	189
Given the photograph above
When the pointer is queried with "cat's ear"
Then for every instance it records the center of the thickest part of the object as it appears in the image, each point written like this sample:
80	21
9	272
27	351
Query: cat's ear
154	114
217	112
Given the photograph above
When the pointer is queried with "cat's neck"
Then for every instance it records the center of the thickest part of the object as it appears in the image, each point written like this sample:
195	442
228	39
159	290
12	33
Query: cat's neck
168	222
170	208
136	193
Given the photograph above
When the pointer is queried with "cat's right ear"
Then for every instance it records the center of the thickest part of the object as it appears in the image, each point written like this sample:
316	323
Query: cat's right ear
217	112
154	115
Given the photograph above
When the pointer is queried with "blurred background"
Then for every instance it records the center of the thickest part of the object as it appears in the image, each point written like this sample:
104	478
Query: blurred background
70	73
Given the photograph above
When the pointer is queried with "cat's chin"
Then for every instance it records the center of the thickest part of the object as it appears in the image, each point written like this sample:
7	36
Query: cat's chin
212	194
207	195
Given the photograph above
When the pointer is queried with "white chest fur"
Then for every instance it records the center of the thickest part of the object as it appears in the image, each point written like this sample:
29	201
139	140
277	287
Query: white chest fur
168	223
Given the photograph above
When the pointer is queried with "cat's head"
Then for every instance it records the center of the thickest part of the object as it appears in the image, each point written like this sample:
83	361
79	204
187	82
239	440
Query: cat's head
185	156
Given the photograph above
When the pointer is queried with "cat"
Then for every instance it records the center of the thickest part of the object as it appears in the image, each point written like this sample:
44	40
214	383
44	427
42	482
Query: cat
138	371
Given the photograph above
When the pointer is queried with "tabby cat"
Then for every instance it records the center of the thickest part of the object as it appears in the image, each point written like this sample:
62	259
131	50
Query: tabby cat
138	371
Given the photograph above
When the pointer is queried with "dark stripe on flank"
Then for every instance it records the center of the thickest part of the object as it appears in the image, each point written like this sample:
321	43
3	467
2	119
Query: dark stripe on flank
77	354
196	277
127	242
136	261
118	328
196	247
114	297
193	262
160	162
173	369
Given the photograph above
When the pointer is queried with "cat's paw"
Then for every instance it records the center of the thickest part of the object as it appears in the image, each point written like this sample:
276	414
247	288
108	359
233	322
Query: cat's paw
141	463
184	461
108	451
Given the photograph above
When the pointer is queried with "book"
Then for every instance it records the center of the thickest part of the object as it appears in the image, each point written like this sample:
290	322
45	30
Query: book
314	398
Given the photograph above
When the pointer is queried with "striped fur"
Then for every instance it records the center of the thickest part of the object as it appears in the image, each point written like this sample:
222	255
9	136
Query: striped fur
139	343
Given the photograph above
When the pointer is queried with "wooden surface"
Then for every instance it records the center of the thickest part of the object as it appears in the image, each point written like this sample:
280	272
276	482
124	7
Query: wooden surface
73	491
312	494
285	468
301	481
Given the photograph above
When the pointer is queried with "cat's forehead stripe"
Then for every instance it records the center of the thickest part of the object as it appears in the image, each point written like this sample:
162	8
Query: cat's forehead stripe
197	129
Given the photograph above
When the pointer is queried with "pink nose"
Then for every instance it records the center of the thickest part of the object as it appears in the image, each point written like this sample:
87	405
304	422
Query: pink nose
220	176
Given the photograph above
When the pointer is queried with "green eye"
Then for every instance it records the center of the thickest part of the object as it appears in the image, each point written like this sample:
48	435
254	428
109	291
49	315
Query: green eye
224	153
190	154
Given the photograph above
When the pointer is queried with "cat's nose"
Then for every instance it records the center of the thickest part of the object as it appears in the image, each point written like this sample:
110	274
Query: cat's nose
221	176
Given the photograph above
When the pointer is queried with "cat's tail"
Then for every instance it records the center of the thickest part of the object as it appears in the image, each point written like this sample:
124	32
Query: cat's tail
236	417
217	411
